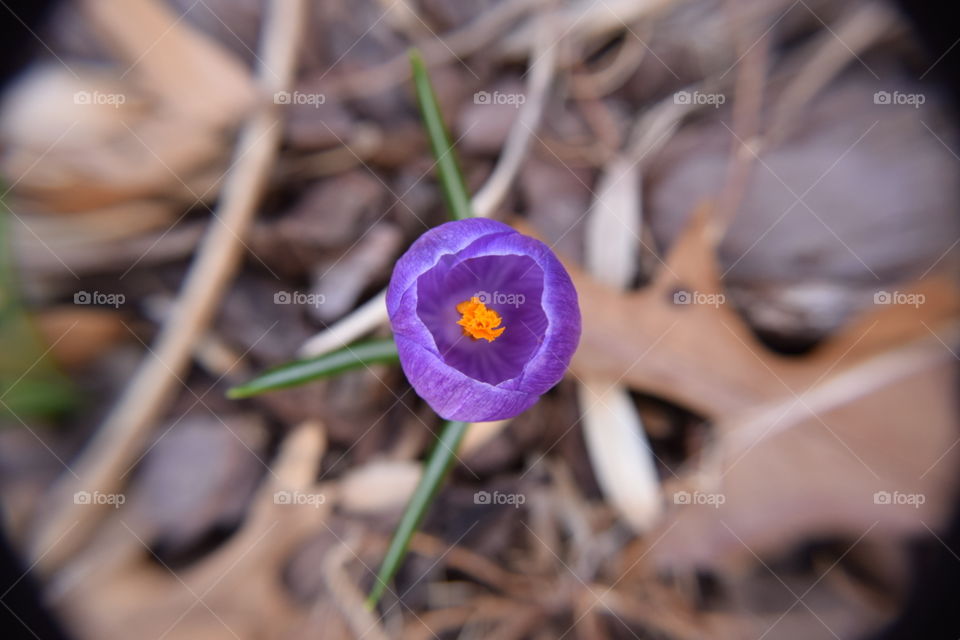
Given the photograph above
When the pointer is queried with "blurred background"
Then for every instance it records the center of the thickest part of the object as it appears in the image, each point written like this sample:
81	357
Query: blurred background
757	201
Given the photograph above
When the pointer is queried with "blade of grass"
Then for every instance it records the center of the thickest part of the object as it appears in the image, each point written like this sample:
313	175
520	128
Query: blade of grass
436	469
31	383
451	179
329	364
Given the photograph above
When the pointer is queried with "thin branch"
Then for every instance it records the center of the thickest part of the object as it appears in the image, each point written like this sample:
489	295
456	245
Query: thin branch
121	437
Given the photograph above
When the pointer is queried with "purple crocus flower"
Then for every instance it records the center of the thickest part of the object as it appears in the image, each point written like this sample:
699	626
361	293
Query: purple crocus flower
485	318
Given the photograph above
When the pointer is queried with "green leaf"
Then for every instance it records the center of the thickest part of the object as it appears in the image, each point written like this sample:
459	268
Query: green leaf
31	383
329	364
451	179
436	469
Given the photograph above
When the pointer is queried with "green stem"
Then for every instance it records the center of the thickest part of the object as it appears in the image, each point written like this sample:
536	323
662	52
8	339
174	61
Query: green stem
451	179
436	469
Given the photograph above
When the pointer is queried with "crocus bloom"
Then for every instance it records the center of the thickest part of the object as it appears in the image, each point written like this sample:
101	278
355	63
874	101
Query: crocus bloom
485	318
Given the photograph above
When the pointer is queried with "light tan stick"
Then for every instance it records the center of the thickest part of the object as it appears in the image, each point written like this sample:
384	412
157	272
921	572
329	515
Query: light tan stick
121	437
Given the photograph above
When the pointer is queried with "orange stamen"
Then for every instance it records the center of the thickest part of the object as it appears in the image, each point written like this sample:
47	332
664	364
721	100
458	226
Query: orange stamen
478	321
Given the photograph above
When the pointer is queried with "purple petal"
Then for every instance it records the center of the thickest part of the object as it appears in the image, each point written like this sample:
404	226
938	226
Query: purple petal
446	239
453	395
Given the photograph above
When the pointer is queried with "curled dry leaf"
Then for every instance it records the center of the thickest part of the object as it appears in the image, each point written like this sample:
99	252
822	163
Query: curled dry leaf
703	356
80	138
258	603
882	429
188	71
871	410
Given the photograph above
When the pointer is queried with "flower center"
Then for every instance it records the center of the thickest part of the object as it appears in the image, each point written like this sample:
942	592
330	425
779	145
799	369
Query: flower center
478	321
